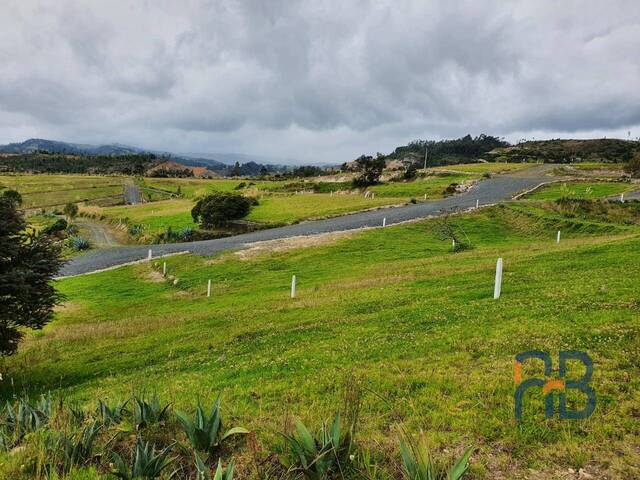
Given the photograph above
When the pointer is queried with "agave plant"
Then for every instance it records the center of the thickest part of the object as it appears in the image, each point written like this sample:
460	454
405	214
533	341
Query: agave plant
78	449
148	413
205	433
203	472
27	418
77	414
317	457
111	415
147	463
418	464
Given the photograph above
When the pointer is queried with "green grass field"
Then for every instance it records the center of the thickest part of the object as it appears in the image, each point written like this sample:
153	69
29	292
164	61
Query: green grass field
42	191
392	308
586	190
278	202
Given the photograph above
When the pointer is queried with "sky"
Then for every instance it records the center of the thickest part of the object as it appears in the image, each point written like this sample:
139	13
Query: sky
316	81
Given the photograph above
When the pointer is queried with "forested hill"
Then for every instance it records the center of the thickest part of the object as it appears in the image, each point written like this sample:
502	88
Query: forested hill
567	151
490	148
446	152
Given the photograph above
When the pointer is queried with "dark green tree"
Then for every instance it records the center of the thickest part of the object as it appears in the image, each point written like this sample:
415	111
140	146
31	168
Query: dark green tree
70	210
369	170
633	165
28	263
219	208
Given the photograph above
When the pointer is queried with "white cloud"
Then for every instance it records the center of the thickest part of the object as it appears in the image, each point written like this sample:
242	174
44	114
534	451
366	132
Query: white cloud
315	81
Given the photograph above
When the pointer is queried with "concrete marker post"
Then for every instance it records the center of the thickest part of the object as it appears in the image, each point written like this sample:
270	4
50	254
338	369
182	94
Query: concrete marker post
293	286
384	221
558	237
208	288
149	255
498	283
622	198
477	203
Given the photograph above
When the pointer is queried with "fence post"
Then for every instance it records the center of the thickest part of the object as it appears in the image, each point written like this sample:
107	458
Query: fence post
293	286
477	203
622	198
384	221
558	237
164	269
498	284
208	288
149	255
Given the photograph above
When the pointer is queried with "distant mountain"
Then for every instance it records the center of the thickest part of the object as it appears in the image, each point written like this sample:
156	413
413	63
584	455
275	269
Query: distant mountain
34	145
242	158
222	164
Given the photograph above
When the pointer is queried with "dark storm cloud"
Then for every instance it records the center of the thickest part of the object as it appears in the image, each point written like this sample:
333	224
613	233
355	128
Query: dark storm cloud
315	80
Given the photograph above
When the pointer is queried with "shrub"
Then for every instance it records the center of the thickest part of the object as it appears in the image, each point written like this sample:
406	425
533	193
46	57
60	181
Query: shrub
58	226
633	166
486	175
203	472
147	462
219	208
135	230
111	415
205	433
78	449
72	229
148	412
316	457
419	465
369	169
70	210
451	189
78	243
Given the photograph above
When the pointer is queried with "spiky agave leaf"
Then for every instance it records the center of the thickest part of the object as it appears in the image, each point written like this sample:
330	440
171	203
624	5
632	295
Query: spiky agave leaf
459	468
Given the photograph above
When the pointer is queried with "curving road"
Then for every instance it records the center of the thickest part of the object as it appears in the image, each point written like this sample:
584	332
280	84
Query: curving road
496	189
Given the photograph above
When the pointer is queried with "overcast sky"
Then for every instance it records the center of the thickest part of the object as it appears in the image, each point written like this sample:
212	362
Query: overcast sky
316	81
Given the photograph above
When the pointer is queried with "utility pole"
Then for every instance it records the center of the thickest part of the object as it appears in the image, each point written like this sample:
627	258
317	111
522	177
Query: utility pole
426	155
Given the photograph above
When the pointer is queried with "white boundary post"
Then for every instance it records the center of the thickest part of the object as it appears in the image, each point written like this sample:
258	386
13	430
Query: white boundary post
558	237
384	221
149	254
477	203
498	284
622	198
293	286
164	269
208	288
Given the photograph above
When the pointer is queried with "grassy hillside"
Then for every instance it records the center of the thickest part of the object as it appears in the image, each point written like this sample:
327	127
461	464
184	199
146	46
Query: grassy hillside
392	308
587	190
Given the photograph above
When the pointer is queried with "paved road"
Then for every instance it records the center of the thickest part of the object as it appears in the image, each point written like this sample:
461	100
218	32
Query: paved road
132	194
494	190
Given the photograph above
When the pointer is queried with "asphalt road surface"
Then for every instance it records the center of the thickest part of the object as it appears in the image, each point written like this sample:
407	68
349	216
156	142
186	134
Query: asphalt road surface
494	190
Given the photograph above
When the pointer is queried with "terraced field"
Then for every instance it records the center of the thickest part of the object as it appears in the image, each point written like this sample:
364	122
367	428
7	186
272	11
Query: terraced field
46	191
